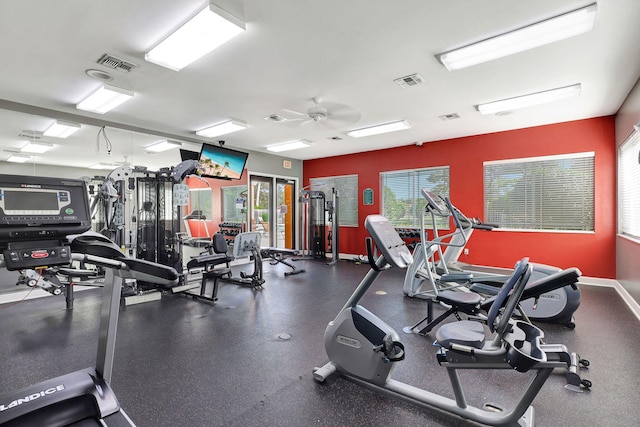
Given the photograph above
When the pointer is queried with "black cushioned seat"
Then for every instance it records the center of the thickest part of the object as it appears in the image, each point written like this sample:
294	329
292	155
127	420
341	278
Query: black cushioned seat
467	302
468	333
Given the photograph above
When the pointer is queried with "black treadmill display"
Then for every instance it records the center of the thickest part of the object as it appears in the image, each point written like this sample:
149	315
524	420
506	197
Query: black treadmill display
40	208
23	201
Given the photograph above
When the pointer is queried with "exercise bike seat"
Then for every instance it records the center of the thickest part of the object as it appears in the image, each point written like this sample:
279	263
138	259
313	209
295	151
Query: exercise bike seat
467	302
456	277
466	333
469	335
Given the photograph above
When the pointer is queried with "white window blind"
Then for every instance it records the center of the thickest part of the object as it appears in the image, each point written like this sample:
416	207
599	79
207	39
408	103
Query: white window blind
402	201
541	193
629	186
347	188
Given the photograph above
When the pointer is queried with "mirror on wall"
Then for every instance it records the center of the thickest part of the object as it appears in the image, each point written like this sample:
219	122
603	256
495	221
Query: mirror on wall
25	137
111	148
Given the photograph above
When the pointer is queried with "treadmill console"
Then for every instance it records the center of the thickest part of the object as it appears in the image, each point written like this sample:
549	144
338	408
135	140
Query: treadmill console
36	215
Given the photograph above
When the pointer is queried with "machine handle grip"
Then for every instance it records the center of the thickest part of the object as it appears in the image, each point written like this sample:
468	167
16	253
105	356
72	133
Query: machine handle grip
370	257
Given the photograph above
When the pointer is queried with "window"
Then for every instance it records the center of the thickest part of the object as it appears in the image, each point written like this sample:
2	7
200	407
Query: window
541	193
234	203
200	200
402	202
347	188
628	188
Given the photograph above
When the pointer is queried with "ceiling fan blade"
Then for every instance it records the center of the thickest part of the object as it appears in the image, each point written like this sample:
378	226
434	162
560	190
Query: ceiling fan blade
294	112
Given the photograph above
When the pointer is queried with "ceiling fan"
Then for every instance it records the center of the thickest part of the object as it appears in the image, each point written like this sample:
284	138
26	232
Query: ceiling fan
327	113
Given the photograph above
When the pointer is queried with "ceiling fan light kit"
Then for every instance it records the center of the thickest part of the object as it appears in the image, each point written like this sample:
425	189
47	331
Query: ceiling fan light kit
207	30
378	129
539	34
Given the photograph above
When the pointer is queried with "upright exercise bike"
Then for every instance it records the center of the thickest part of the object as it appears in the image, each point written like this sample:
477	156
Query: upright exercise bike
38	216
365	349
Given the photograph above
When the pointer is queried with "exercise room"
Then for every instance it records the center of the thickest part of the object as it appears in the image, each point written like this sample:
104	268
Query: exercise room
330	213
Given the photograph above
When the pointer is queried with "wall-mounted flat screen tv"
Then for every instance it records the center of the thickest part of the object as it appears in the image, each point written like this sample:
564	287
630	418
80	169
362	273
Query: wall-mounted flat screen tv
222	163
189	155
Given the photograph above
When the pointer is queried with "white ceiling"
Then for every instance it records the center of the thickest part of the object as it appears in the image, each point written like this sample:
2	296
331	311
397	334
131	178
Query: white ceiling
346	51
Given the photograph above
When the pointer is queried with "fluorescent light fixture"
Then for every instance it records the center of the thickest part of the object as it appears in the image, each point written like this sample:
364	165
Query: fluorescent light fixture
18	158
539	34
160	146
105	166
287	146
36	147
62	129
104	99
222	128
208	29
375	130
530	100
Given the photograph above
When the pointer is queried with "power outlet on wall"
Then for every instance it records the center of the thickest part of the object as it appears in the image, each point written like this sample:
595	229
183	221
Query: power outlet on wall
466	251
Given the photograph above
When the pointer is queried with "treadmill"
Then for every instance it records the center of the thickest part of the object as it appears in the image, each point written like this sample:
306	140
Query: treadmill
43	221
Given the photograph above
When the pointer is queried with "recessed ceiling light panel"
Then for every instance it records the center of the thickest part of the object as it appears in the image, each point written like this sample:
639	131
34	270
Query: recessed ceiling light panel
530	99
104	99
539	34
164	145
18	158
378	129
62	129
288	146
207	30
222	128
36	147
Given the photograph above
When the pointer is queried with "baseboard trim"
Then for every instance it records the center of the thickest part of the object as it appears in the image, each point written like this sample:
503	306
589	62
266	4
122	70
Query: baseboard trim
611	283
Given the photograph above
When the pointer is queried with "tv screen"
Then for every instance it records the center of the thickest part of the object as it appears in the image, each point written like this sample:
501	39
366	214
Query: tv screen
189	155
220	162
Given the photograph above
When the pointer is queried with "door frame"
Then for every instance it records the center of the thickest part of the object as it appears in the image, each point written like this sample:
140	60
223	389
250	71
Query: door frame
272	203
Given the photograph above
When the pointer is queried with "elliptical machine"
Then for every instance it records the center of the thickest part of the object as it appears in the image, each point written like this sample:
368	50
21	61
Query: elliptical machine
365	349
557	305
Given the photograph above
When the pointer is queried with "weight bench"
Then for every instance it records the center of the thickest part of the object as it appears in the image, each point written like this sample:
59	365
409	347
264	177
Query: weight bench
279	255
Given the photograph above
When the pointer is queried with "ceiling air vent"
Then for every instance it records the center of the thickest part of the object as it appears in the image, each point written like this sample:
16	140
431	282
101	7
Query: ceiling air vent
411	80
451	116
116	63
275	118
30	134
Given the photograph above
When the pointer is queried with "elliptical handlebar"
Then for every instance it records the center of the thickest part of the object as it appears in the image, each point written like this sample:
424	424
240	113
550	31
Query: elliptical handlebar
433	202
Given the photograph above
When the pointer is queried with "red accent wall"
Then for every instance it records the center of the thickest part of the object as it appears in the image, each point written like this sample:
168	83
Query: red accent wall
593	253
197	227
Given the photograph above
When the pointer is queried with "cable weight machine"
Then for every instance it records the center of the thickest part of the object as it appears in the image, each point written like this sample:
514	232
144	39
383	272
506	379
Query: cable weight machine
316	213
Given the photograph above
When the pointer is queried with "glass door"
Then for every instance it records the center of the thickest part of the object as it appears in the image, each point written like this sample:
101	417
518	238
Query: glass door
272	211
285	218
261	211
